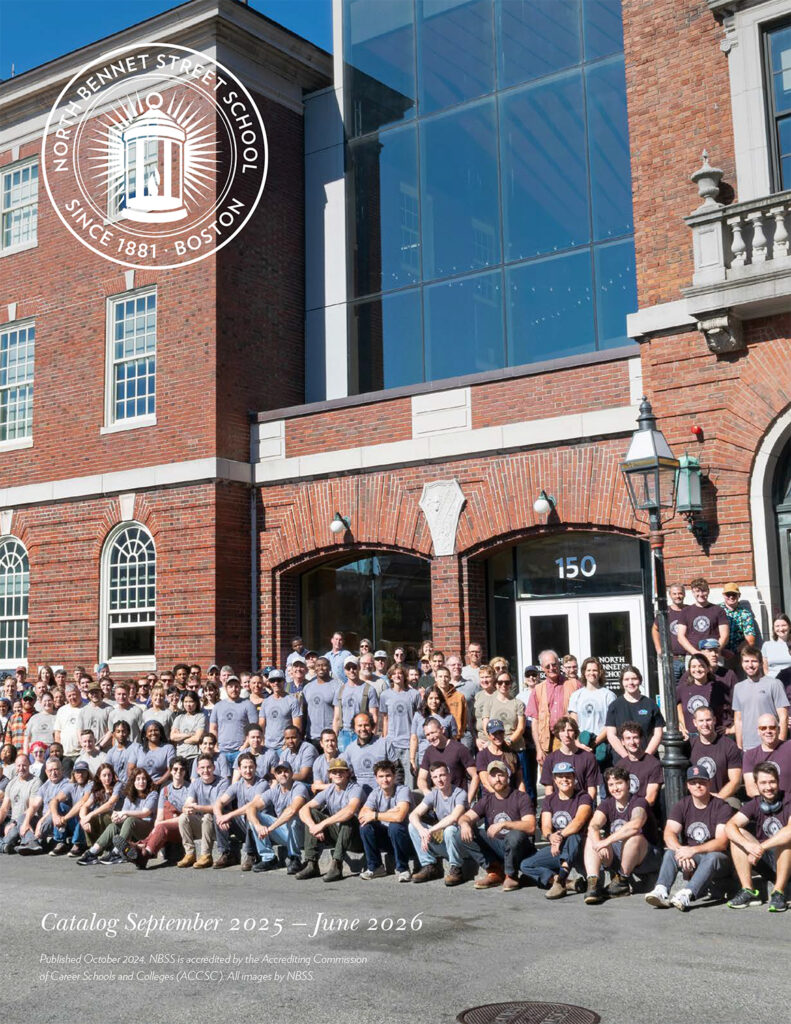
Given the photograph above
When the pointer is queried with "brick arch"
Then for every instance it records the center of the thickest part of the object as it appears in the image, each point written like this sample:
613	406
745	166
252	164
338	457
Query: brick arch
21	532
310	559
142	513
485	549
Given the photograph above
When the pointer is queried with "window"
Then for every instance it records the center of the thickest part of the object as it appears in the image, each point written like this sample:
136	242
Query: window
14	590
778	73
19	206
17	345
132	358
129	574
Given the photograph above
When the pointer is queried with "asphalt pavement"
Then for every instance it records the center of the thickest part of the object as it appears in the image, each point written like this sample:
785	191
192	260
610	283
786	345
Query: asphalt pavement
112	944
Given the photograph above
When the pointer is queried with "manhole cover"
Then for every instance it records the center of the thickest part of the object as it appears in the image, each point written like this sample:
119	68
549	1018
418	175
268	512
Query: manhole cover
528	1013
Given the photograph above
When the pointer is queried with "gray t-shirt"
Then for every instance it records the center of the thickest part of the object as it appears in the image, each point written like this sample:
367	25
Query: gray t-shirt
318	699
118	757
333	799
276	800
94	718
20	792
441	806
350	699
264	763
378	801
231	717
361	759
156	760
164	717
279	713
176	797
755	699
132	715
148	803
320	773
221	769
400	707
40	728
303	758
205	794
242	792
188	724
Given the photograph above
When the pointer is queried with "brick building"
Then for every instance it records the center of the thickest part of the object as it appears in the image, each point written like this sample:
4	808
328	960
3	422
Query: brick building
428	316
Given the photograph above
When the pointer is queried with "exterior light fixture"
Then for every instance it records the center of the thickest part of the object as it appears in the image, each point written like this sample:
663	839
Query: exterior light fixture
544	503
689	499
340	524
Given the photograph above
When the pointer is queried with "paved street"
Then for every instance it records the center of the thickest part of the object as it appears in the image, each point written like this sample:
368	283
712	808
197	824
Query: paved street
472	948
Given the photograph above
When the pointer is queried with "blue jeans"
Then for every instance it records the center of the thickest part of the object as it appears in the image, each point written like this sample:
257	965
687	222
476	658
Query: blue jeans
289	835
708	867
345	737
72	833
543	865
449	849
236	827
379	836
509	849
230	756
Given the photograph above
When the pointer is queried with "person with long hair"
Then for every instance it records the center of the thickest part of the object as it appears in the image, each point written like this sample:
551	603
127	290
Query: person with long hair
170	804
188	728
101	800
699	689
776	652
432	706
135	820
153	753
588	707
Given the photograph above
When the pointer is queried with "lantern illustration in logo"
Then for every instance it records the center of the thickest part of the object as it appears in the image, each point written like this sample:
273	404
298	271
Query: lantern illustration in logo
153	148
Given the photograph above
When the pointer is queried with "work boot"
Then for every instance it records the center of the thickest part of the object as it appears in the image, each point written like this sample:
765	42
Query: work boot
429	873
204	861
594	894
222	861
556	891
186	861
453	876
311	870
335	873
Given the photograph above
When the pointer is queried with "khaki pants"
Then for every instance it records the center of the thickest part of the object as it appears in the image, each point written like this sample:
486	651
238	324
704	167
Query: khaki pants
197	826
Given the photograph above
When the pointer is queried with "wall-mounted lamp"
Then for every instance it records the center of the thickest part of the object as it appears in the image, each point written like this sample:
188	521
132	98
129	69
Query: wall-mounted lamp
340	524
689	497
544	504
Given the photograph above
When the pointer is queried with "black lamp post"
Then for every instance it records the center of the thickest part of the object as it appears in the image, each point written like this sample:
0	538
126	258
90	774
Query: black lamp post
650	471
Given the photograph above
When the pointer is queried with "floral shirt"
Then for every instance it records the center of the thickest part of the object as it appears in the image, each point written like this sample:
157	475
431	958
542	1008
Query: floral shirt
742	623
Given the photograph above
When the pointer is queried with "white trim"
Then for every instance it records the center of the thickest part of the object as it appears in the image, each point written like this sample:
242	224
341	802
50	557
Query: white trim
762	520
104	595
18	443
635	380
665	316
143	479
463	443
441	412
130	424
15	165
12	250
126	666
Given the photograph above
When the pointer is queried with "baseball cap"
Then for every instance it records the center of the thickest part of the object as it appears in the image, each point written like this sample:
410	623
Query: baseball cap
338	764
495	725
380	654
102	665
562	768
95	687
709	644
283	765
697	771
213	668
497	766
276	673
351	661
28	695
298	660
38	745
82	766
731	588
532	670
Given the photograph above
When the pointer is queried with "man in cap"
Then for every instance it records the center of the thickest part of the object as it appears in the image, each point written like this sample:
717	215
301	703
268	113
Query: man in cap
497	750
18	720
296	676
586	768
380	664
743	627
760	839
622	836
565	814
273	814
352	697
95	715
383	823
696	844
278	711
229	718
498	831
330	819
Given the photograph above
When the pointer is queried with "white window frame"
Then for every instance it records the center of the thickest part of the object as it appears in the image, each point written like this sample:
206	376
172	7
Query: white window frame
743	43
16	443
13	661
111	424
30	243
137	662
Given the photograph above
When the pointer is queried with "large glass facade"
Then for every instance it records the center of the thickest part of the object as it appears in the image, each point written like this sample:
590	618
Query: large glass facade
489	185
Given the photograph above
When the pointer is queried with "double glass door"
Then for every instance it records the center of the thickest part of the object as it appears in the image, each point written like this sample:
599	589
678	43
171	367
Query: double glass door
613	629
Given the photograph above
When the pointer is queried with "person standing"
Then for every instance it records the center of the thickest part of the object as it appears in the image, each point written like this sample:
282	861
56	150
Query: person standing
743	629
702	620
677	594
337	656
754	696
548	702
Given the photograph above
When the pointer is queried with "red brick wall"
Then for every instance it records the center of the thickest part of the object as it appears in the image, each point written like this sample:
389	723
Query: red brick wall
377	423
678	95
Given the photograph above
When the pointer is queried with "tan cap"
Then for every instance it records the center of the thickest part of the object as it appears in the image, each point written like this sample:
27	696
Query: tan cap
731	588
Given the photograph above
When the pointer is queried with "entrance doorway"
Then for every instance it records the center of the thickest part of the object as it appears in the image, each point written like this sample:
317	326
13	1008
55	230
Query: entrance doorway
611	629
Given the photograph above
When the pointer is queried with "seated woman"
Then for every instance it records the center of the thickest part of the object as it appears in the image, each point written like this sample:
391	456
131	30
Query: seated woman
166	826
100	802
134	820
153	753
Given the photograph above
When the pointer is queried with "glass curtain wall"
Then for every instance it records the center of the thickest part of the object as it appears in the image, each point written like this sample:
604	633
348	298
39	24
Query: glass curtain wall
488	185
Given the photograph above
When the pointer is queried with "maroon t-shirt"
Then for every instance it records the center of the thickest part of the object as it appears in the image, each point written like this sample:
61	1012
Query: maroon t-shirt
780	756
485	757
765	824
703	623
642	772
717	758
699	824
712	694
586	768
457	759
564	811
514	807
616	817
673	617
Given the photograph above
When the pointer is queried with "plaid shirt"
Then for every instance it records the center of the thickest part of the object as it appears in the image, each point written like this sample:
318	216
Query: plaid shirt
15	730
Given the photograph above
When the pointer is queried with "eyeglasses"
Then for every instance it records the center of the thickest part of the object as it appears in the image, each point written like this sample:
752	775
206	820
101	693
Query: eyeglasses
766	728
352	668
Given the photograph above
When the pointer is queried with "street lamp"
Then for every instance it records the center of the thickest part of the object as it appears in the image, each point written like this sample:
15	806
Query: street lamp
650	471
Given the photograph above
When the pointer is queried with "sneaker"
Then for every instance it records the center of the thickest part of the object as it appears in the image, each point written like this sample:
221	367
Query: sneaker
204	861
143	858
777	902
265	865
432	871
335	873
593	892
379	872
186	861
125	849
111	857
745	898
246	862
87	859
24	849
682	899
223	861
310	870
619	886
556	891
293	865
59	849
658	897
404	876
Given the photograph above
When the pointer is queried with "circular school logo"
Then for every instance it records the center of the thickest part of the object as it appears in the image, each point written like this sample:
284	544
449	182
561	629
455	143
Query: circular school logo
699	832
709	764
634	783
695	702
700	623
771	826
154	156
560	819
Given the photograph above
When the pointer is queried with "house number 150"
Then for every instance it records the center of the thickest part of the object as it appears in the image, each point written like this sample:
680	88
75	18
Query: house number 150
570	567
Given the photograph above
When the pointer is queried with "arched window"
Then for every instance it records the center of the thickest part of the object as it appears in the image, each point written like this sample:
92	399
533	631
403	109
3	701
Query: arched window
129	577
14	590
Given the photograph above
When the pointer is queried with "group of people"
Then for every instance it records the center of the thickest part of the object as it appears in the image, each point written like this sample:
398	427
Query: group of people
415	765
